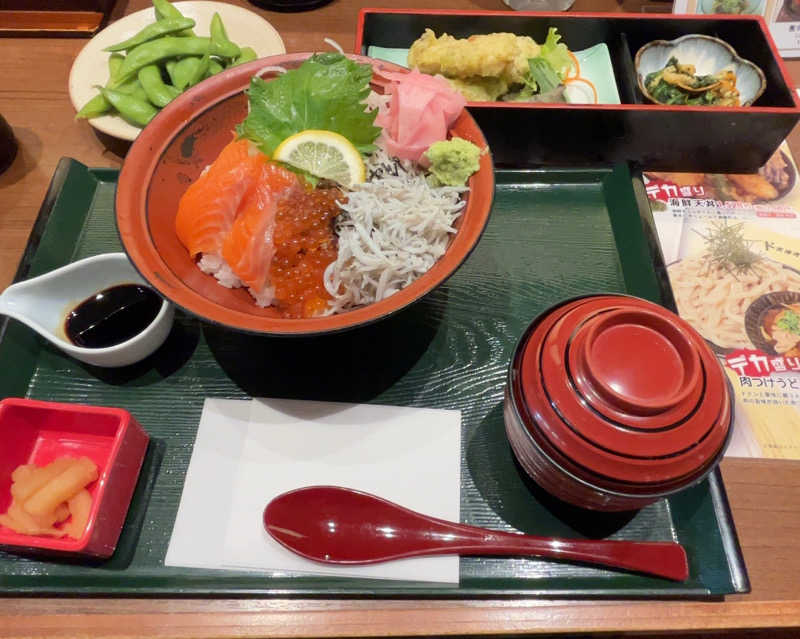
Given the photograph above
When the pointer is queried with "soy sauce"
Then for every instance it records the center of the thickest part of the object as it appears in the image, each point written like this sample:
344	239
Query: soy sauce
112	316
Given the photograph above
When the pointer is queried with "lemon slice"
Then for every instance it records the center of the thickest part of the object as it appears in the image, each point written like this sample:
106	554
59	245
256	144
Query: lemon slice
325	154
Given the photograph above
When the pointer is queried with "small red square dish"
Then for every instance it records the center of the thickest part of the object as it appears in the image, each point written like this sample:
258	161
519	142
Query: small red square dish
38	432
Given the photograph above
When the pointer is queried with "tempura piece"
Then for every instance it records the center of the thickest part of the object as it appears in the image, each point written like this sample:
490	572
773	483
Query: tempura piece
754	186
479	89
499	55
684	179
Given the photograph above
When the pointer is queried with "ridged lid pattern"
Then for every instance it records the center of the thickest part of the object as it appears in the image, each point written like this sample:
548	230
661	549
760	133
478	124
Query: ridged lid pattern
624	389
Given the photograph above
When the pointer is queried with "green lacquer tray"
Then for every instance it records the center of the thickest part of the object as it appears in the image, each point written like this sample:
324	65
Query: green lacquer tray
552	235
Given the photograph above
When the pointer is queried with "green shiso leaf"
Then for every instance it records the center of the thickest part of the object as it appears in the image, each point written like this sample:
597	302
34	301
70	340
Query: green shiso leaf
326	92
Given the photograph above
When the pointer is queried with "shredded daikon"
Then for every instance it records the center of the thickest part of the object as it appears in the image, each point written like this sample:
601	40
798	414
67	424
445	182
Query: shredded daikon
392	230
332	43
270	69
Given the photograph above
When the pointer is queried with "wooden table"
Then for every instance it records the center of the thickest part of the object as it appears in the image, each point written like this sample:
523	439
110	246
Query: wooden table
764	495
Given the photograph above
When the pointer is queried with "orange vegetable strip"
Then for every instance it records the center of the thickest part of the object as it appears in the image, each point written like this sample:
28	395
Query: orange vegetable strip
26	484
62	487
79	507
22	522
577	66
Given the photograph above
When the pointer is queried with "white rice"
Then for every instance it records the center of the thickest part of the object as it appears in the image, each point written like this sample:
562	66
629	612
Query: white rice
393	228
217	266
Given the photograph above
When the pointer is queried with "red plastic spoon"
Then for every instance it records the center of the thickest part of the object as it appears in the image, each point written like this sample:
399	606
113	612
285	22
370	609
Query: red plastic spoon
338	525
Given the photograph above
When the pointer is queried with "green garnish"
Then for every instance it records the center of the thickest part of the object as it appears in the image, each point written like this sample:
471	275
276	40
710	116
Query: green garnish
326	92
543	74
727	247
789	322
555	53
547	70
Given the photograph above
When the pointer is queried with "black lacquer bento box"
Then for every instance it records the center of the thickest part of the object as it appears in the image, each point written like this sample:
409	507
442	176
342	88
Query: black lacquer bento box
656	137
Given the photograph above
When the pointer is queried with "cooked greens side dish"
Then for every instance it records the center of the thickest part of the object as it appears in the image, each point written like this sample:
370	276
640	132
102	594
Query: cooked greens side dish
729	6
678	83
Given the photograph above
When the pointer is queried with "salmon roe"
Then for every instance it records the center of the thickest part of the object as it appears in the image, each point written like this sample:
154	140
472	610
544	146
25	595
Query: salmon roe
305	245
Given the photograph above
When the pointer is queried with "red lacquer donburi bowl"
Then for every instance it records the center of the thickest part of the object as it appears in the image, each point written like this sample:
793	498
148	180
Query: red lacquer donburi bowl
182	140
614	402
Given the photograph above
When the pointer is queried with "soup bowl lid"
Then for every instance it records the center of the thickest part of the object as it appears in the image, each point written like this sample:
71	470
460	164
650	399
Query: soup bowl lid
624	390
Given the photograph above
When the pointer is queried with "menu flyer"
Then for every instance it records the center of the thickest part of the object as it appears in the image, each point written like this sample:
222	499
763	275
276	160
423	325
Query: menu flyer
731	244
782	17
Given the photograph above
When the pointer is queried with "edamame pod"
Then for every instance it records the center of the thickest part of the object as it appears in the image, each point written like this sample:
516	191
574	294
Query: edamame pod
132	88
157	92
152	31
201	71
248	54
172	46
98	105
164	10
94	108
183	72
217	29
115	61
137	112
170	66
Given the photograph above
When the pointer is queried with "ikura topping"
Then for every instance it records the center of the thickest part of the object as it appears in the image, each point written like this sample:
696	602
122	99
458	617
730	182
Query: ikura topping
305	245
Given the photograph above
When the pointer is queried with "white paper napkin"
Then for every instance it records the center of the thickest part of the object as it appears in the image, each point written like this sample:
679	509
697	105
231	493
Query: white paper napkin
202	521
407	455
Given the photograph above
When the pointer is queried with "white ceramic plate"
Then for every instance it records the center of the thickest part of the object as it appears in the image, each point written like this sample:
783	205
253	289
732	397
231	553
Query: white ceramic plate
90	68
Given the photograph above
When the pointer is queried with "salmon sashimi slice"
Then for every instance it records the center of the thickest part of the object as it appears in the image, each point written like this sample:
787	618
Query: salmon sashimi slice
208	208
249	247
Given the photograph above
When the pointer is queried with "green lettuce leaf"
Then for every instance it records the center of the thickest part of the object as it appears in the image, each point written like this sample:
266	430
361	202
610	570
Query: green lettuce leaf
556	53
325	92
543	74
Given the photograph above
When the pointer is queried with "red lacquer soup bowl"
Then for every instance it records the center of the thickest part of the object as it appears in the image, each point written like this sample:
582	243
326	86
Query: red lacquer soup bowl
613	402
182	140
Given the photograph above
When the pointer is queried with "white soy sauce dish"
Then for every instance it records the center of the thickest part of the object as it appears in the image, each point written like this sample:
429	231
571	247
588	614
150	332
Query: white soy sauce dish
43	303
